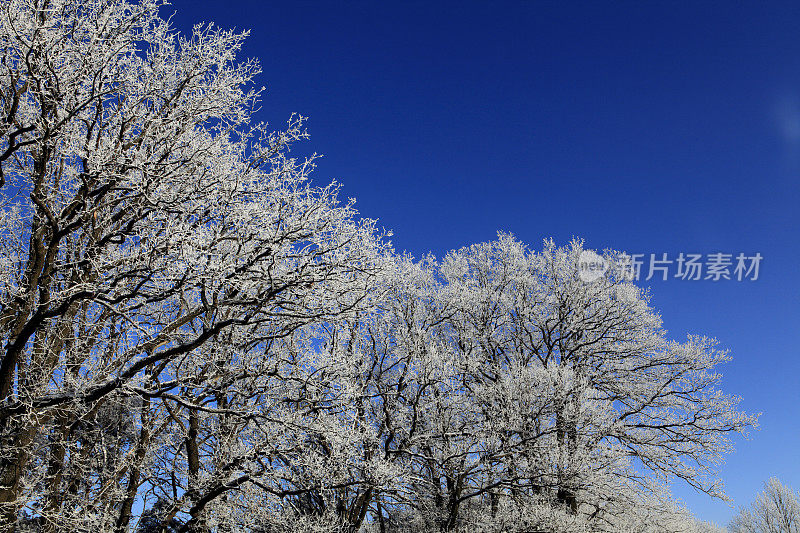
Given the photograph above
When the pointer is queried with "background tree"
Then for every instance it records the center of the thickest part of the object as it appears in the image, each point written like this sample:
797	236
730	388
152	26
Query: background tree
776	509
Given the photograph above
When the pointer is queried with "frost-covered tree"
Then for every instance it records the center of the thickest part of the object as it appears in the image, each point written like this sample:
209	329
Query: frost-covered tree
775	509
498	380
157	247
622	400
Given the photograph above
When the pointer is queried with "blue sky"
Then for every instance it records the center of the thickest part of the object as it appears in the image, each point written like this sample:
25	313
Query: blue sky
647	127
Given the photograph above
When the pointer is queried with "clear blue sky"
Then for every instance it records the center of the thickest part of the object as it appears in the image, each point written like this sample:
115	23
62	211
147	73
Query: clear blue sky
641	126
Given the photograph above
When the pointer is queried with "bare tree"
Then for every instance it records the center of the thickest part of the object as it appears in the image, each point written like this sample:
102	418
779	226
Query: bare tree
775	510
156	245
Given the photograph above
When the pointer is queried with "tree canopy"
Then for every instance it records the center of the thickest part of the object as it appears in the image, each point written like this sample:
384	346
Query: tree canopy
195	337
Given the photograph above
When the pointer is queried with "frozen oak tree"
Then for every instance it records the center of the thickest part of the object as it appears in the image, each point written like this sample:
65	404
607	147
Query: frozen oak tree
157	248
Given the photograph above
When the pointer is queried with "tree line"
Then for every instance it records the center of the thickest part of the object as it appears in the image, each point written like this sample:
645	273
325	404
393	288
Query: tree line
197	338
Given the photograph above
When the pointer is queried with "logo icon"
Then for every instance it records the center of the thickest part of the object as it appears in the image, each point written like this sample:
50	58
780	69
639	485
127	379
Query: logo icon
591	266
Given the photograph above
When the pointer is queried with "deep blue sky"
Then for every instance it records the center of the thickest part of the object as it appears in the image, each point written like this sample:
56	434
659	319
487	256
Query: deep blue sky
646	127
